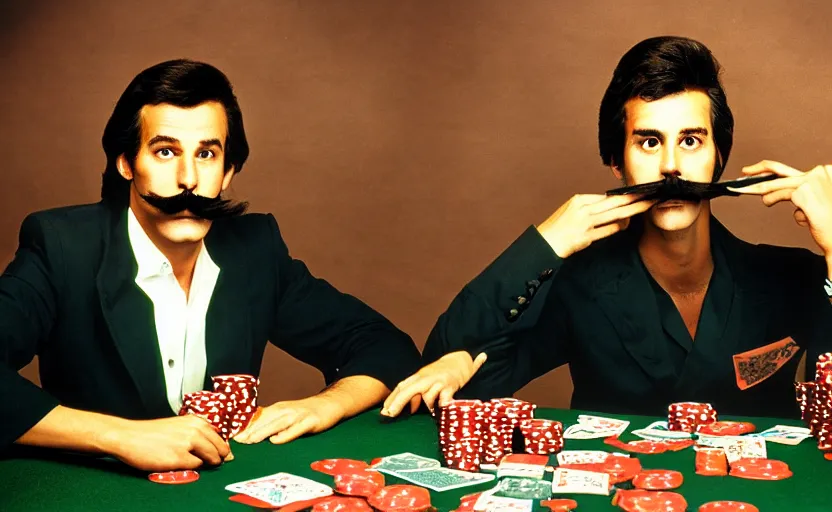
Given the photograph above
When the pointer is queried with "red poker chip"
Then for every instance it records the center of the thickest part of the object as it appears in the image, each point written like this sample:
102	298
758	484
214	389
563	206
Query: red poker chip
760	469
335	466
639	500
174	477
658	479
728	506
401	498
338	504
359	483
711	462
559	505
726	428
827	456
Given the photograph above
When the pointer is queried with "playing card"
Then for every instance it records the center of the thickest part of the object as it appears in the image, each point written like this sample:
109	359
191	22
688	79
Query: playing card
575	481
489	503
443	479
524	488
658	430
522	465
736	447
594	427
405	461
281	489
580	431
582	457
784	434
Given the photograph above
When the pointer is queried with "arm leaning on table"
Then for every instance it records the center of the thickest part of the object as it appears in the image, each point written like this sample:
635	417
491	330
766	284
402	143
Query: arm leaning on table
361	354
31	416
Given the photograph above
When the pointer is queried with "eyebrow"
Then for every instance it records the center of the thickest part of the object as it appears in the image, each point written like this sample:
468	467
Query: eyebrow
649	132
170	140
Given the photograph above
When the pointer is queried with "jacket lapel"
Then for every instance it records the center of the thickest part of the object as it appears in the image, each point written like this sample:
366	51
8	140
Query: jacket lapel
130	318
228	336
625	296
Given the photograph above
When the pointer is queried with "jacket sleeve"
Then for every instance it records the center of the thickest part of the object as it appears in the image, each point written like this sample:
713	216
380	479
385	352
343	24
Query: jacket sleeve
335	332
811	308
27	313
512	313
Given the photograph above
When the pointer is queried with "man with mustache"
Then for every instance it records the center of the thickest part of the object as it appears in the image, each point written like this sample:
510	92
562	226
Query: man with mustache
649	302
133	302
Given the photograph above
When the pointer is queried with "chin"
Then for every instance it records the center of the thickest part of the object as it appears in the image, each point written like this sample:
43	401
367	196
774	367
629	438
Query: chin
675	216
185	230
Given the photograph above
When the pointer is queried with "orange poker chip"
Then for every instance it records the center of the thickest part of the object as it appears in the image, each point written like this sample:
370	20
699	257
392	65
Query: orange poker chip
728	506
827	456
334	466
359	483
711	462
639	500
401	498
559	505
658	479
760	469
335	504
174	477
726	428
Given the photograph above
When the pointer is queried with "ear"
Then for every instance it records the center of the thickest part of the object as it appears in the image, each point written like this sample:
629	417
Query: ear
124	168
226	180
616	171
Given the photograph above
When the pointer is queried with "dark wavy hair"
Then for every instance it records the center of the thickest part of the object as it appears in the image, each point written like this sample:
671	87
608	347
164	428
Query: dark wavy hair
183	83
655	68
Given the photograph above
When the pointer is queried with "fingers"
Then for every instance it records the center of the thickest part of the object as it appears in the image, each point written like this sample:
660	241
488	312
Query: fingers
269	422
415	402
209	432
610	202
621	212
779	195
189	461
479	361
429	397
608	230
801	218
765	166
445	397
295	430
205	450
768	187
403	394
395	396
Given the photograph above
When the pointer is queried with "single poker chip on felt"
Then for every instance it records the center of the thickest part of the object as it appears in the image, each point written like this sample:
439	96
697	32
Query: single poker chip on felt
728	506
827	456
639	500
338	504
559	505
174	477
658	479
760	469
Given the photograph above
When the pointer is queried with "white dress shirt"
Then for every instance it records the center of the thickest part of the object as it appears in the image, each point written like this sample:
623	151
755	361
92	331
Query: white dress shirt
180	320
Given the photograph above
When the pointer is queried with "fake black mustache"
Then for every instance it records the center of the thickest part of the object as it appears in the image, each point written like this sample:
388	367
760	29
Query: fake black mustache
210	208
674	187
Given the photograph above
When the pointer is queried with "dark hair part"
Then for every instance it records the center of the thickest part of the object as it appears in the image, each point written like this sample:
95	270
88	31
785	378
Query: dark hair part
182	83
655	68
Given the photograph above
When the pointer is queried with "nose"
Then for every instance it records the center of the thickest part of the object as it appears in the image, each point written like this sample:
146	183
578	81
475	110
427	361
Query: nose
668	166
187	174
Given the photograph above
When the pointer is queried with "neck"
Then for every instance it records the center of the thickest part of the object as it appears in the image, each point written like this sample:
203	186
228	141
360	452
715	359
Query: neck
680	261
181	255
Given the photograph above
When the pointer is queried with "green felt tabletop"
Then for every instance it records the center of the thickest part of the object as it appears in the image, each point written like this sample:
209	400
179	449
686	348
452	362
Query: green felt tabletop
75	483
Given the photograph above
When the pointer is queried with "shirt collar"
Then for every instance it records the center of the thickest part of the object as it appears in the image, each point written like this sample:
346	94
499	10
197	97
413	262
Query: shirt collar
150	260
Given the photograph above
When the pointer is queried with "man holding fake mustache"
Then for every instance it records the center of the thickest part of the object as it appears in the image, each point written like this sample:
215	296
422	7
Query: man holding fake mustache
649	302
133	302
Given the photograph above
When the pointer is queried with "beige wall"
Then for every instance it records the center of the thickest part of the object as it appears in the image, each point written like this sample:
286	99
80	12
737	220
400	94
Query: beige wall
402	144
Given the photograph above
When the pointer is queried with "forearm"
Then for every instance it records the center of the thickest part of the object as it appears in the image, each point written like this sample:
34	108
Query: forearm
353	395
71	429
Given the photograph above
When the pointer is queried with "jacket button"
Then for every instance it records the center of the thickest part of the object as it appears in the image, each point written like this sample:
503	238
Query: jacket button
513	312
521	300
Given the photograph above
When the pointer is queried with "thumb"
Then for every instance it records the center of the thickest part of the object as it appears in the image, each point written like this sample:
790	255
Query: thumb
479	361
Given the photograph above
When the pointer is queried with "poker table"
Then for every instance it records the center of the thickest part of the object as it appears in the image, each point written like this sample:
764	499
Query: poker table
67	482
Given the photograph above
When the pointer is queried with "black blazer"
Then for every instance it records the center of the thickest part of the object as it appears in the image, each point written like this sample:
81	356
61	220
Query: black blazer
596	311
70	297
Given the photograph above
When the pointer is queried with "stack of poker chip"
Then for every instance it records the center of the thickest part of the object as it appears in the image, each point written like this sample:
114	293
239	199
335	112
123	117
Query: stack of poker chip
239	394
503	415
542	437
229	408
815	401
687	416
462	424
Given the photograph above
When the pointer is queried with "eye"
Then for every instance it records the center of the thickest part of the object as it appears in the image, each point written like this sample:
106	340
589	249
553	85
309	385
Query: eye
650	143
206	154
690	142
165	153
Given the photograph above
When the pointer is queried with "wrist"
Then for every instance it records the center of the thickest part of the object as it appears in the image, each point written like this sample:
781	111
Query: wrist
552	238
107	436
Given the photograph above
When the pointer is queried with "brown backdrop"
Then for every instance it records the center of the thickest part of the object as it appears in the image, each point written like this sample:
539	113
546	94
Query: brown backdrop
402	144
